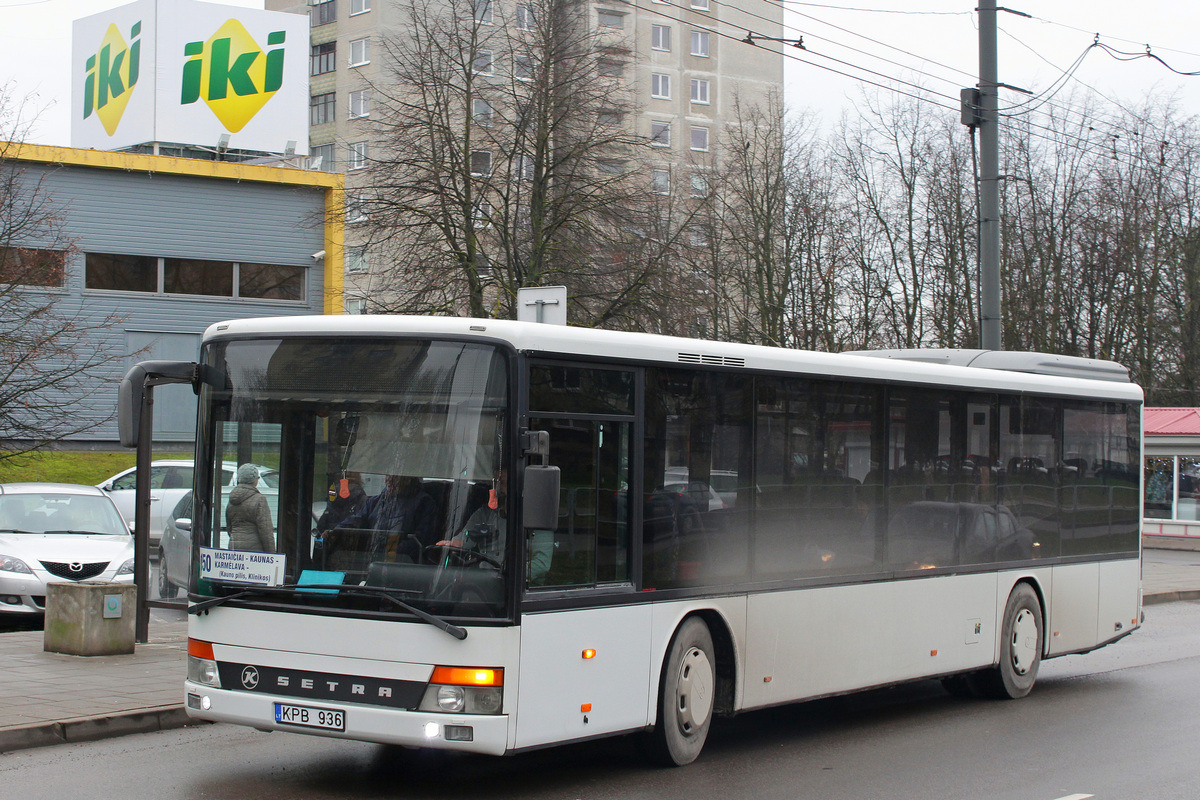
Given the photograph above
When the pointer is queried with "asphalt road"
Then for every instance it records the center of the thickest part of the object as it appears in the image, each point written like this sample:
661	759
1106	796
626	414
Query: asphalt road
1115	724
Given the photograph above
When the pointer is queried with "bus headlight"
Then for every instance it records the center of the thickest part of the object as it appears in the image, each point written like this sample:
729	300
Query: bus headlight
202	664
459	690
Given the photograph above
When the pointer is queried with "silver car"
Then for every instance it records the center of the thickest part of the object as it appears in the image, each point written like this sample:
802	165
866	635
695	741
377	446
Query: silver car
170	480
52	532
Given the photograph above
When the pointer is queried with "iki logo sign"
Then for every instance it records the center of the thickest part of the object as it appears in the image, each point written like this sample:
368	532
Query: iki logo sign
232	74
111	74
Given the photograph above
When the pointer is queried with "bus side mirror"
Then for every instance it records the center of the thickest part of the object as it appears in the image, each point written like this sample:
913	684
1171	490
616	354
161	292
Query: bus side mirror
539	507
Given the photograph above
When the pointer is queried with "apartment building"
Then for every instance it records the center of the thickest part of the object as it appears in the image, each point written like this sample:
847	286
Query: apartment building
683	62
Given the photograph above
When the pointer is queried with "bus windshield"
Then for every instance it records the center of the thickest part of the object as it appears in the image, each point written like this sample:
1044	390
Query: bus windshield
369	471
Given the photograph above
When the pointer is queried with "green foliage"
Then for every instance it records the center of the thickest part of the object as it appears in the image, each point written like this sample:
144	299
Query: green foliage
86	467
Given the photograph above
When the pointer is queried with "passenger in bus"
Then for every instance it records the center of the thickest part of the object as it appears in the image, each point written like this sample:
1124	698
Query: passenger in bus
486	531
402	520
248	517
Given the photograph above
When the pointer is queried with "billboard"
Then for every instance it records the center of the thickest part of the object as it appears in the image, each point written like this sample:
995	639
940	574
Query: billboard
187	72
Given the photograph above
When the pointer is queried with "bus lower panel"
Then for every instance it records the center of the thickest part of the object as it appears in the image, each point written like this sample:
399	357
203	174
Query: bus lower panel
363	723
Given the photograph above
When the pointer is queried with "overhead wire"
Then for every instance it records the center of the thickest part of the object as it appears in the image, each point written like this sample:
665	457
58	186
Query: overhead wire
1032	129
795	56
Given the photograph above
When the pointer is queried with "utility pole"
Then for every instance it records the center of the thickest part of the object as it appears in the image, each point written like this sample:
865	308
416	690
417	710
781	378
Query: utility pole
989	180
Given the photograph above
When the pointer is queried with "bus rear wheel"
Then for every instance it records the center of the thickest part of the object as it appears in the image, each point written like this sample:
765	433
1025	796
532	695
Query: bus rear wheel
686	695
1021	640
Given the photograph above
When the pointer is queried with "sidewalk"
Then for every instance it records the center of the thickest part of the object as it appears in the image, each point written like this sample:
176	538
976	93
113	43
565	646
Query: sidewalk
50	698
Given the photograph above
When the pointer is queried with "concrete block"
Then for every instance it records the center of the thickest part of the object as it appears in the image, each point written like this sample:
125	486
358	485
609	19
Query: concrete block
90	618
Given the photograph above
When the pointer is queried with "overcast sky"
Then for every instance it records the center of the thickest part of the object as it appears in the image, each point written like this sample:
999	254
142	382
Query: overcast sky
932	43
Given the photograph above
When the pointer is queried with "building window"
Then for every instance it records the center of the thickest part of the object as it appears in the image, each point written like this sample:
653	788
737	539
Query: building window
660	37
610	117
697	237
700	4
31	266
271	281
196	276
357	262
482	112
360	52
360	153
660	86
700	91
611	19
610	166
321	157
660	134
323	12
360	104
356	306
699	184
525	18
523	68
483	10
700	139
523	168
320	108
660	181
323	58
700	43
359	7
481	162
121	273
356	207
609	68
483	63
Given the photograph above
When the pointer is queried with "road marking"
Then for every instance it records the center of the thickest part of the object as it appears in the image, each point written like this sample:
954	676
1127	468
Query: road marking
1076	797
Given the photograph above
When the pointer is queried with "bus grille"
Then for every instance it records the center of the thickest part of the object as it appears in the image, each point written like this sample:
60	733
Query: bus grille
706	358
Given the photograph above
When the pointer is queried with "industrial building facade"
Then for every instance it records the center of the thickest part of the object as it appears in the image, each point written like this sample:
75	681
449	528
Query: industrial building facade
168	246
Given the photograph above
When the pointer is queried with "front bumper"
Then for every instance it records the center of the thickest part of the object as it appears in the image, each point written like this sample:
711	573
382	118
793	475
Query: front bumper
489	733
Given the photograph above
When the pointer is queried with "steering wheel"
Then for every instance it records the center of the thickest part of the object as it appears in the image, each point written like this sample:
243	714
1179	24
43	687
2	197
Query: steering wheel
458	556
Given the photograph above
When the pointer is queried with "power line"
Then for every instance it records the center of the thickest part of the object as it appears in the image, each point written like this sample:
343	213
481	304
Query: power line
1051	135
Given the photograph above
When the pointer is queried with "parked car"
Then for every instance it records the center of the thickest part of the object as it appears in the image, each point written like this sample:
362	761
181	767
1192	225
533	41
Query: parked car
170	480
52	532
175	549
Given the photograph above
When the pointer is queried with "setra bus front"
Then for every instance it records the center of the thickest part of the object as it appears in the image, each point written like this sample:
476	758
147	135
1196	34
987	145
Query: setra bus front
372	594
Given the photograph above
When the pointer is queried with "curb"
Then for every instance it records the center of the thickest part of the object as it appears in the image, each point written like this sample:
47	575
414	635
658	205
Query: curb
1170	597
88	729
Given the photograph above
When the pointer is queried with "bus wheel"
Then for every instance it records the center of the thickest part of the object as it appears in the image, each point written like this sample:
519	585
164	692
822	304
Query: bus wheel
685	699
1020	648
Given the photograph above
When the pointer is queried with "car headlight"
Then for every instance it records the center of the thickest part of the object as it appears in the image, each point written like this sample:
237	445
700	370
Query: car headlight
126	568
11	564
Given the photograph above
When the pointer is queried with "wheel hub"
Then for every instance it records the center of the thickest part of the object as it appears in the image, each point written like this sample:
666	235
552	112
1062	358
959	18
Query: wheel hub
694	697
1024	641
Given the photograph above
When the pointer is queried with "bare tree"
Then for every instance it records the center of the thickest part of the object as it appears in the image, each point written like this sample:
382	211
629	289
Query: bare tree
505	160
47	369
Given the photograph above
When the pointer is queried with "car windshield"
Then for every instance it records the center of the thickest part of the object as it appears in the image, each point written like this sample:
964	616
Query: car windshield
355	459
53	512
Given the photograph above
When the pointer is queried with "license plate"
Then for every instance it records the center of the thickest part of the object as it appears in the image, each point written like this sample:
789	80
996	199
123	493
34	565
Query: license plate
329	719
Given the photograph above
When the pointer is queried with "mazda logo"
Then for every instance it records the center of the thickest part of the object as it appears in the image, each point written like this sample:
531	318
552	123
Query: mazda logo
75	566
250	677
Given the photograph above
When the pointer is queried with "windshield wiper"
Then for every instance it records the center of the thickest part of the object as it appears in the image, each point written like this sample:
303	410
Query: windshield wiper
83	533
359	591
18	530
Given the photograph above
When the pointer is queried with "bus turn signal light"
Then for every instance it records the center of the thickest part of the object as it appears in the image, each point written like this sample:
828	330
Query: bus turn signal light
200	649
589	653
467	676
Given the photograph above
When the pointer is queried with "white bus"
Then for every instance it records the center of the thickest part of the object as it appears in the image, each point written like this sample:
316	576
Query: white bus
495	536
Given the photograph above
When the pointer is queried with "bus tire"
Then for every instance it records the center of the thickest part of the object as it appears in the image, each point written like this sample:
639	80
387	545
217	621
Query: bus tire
686	696
1021	639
